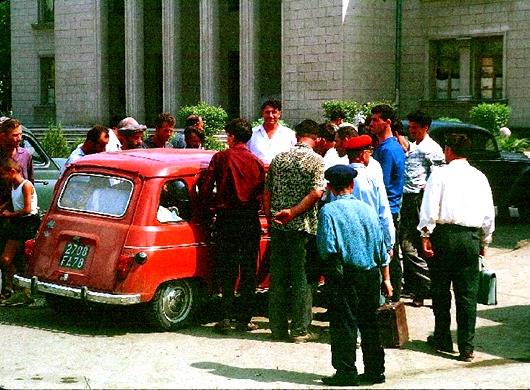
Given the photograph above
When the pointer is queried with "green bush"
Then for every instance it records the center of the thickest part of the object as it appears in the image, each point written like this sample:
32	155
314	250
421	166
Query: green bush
214	117
512	143
351	109
491	116
449	119
55	142
74	144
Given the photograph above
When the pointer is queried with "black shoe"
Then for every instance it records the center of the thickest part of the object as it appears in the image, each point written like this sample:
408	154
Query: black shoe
372	378
466	356
341	380
443	347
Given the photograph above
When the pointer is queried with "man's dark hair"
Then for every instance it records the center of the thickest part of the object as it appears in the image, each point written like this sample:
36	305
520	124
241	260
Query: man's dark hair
165	117
397	127
420	117
327	131
347	132
94	134
192	120
8	125
337	113
193	130
385	110
274	103
240	129
307	128
460	144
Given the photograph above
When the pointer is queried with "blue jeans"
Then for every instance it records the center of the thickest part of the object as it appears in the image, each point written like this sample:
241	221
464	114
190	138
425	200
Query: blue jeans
288	283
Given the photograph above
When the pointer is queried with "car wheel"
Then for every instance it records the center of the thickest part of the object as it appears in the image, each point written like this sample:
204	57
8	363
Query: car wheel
175	304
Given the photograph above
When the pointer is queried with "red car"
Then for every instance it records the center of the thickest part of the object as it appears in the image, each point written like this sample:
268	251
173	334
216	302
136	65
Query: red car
124	229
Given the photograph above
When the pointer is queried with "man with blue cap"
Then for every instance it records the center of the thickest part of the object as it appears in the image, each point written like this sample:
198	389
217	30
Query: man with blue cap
350	241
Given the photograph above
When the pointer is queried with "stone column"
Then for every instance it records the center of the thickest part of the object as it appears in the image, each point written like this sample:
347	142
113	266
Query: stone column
209	44
134	60
248	42
171	58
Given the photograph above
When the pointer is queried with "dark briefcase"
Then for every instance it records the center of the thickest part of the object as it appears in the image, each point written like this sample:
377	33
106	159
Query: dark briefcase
391	321
487	290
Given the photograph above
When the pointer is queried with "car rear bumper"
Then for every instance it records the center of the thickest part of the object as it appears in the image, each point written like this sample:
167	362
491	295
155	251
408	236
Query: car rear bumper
82	293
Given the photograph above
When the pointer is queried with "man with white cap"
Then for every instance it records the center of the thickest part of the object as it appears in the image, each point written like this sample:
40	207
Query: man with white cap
131	134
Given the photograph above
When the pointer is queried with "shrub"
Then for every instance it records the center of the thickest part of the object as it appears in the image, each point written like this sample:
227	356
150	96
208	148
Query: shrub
513	144
55	142
354	112
491	116
350	109
449	119
74	144
214	117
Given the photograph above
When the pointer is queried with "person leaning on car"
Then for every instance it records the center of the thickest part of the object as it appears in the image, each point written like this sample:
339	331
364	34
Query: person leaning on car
239	177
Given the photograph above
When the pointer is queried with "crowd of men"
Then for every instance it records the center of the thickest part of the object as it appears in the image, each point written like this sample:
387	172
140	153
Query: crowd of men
364	206
369	201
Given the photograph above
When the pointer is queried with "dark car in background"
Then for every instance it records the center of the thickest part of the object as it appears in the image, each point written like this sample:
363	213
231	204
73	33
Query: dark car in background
46	169
508	173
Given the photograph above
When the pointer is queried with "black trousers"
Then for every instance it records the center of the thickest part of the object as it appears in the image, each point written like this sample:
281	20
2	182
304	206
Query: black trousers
456	261
415	270
353	300
235	254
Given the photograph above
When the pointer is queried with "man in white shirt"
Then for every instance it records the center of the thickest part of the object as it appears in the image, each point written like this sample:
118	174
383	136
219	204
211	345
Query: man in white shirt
270	138
456	225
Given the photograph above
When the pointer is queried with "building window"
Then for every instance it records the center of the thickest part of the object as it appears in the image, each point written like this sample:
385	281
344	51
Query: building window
447	70
46	8
480	60
47	76
490	68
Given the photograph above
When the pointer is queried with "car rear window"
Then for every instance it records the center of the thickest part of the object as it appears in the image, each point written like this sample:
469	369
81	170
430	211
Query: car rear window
96	194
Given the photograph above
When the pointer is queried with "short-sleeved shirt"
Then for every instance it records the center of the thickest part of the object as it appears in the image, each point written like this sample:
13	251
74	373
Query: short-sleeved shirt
421	159
391	156
178	141
266	148
292	175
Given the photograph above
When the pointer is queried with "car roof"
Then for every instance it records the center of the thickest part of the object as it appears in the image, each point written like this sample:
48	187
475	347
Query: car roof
156	162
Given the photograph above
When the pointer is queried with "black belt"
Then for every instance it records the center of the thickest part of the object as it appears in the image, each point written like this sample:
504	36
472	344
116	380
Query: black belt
449	227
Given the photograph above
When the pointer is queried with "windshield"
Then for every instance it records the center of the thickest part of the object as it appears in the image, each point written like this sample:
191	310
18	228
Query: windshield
98	194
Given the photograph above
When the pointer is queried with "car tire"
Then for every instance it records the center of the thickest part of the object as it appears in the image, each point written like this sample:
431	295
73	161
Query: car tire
175	304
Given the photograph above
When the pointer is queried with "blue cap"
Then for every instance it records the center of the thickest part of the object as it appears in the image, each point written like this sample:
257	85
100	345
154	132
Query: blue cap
340	176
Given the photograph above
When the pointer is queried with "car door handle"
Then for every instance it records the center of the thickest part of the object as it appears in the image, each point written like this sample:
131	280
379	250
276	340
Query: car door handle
43	182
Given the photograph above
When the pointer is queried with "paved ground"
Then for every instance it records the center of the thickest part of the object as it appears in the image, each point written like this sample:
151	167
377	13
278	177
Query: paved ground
42	350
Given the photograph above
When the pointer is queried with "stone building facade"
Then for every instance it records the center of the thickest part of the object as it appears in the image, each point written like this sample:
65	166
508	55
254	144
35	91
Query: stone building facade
95	61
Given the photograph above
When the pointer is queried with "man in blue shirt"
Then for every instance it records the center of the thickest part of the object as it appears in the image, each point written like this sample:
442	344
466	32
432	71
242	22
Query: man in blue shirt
391	156
350	241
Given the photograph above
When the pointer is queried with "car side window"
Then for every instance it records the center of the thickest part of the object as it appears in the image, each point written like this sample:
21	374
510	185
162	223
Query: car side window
38	159
175	202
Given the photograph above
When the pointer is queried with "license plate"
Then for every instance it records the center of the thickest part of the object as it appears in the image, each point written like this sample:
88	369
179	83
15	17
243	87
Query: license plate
74	256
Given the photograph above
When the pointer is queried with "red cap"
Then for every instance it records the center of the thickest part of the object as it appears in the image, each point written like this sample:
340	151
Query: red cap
358	143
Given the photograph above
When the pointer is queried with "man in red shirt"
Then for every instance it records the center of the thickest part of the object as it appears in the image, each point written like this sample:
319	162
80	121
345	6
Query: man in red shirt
240	178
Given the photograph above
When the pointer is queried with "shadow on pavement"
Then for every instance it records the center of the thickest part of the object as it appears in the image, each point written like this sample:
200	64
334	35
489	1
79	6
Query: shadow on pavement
258	374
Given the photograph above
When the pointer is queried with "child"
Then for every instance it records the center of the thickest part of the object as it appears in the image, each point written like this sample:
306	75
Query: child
23	224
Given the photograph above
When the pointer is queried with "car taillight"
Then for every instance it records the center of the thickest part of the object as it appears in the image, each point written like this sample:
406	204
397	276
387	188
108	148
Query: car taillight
28	248
123	266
